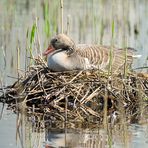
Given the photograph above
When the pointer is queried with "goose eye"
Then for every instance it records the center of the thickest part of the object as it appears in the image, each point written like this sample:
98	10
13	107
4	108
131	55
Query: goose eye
55	40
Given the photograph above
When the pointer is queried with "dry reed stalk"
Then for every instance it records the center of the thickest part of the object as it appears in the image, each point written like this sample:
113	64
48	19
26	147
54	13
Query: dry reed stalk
38	38
79	96
68	25
62	23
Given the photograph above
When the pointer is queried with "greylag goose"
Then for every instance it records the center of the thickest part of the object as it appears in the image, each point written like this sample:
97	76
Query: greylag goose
64	55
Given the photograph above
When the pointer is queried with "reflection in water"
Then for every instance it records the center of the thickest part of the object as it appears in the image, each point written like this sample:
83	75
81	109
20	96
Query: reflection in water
116	136
90	22
8	129
31	132
85	138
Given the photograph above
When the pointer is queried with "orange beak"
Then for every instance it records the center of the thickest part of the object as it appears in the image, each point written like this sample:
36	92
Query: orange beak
48	51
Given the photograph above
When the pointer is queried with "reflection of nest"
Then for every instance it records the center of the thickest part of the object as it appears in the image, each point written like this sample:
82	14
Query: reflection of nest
79	95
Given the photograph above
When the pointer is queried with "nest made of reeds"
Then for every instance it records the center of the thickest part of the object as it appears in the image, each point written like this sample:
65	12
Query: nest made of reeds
79	95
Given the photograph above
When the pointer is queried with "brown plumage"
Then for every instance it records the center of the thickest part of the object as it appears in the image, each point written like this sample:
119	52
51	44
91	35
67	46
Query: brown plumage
64	54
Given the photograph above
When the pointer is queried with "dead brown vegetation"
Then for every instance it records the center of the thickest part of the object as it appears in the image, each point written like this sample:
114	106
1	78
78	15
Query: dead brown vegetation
79	95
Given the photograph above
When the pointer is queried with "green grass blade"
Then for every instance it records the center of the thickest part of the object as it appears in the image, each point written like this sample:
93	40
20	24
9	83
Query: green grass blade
32	35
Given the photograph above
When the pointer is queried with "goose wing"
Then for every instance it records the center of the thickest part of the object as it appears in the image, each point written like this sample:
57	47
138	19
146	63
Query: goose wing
99	56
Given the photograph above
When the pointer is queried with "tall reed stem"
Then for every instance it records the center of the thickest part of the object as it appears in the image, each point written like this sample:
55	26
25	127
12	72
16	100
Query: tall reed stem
18	60
38	38
61	4
68	25
125	15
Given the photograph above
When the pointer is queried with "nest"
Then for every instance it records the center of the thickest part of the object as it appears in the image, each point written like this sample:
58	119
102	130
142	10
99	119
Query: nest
79	96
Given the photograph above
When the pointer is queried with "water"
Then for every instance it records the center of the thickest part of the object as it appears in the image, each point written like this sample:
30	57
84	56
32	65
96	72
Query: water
136	135
85	19
8	129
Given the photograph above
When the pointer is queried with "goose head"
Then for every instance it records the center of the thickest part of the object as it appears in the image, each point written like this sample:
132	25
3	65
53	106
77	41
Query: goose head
59	43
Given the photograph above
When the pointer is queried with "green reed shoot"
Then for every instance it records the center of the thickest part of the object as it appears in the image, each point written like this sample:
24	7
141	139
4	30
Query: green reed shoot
32	38
26	51
46	18
55	20
32	34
